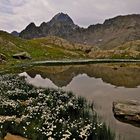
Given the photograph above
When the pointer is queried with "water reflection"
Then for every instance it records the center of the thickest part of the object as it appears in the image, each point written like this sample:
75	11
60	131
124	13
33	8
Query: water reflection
127	76
101	83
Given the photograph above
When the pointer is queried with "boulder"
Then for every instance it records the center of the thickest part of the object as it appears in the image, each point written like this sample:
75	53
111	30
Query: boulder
127	110
22	55
13	137
2	57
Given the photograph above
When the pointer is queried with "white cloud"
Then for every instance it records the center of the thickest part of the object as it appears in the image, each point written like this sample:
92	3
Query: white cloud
16	14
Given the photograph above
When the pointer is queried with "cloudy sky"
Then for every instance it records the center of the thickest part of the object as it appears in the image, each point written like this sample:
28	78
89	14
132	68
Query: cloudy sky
16	14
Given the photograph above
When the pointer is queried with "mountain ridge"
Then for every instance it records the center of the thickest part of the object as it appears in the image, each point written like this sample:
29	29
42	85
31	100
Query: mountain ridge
60	25
112	33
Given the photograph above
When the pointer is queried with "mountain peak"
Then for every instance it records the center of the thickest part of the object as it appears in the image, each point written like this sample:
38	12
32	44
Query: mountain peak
31	25
61	17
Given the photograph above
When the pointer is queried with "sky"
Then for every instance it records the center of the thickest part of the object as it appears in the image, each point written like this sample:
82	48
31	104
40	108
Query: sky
17	14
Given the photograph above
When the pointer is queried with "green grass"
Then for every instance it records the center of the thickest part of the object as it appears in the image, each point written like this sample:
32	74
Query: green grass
38	50
10	45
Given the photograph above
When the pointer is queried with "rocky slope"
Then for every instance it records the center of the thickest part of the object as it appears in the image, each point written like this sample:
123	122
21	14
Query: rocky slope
112	33
65	44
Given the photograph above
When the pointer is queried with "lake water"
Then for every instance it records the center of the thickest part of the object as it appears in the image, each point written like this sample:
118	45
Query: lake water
100	83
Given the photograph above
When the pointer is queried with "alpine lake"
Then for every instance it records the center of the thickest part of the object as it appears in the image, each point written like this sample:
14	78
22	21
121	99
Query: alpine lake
91	86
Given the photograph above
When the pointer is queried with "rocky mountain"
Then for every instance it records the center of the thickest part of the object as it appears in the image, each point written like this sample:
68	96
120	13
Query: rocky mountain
112	33
60	25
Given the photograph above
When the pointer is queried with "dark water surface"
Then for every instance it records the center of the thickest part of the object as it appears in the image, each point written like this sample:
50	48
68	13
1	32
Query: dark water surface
101	83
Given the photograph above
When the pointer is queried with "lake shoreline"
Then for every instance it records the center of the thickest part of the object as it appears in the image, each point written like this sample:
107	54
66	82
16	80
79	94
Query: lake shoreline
76	62
6	67
85	61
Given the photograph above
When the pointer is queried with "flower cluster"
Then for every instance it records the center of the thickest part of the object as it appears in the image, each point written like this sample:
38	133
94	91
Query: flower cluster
46	113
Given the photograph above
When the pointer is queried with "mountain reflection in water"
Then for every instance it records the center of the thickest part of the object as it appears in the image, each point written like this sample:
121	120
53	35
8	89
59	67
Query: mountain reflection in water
101	83
115	75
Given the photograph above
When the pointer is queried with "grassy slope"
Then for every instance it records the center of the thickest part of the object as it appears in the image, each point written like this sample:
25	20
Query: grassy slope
65	44
10	45
55	50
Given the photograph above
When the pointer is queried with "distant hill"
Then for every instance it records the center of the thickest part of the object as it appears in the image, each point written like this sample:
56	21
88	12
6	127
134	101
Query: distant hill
112	33
15	33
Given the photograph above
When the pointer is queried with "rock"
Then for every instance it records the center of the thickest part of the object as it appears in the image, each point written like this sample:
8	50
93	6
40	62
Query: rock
22	55
2	57
115	68
13	137
127	110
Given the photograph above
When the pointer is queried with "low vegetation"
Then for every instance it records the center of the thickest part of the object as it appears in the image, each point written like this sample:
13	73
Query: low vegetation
37	113
115	54
10	45
131	46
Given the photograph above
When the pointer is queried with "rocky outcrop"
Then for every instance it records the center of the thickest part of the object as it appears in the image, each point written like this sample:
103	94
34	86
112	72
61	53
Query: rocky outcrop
2	57
127	110
22	55
112	33
13	137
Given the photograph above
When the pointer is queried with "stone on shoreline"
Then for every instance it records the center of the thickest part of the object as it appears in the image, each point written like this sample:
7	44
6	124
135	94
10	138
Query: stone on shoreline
13	137
2	57
127	110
